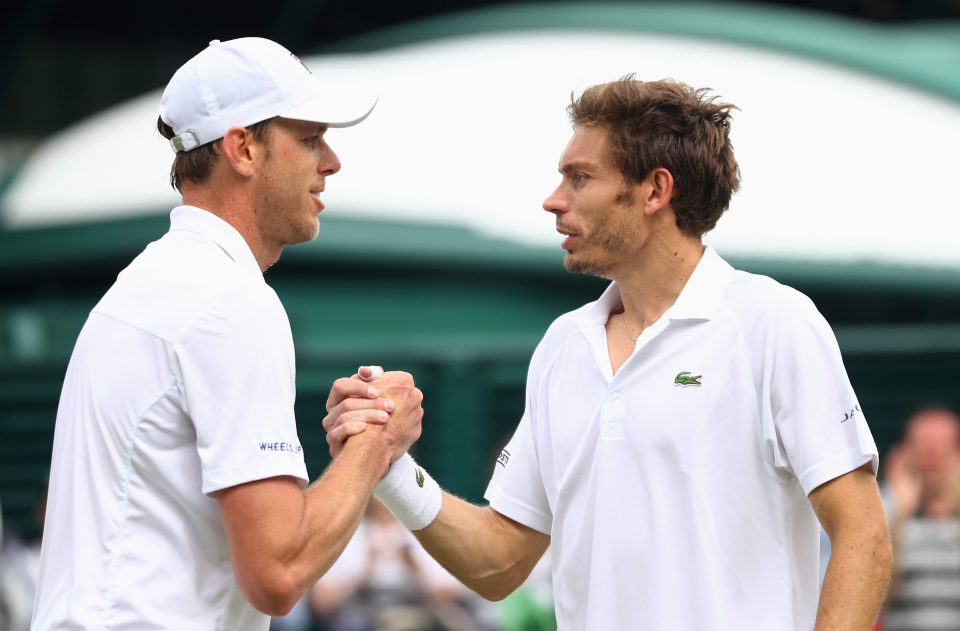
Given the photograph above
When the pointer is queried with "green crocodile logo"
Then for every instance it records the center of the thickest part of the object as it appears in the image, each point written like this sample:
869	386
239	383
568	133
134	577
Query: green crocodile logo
420	477
686	379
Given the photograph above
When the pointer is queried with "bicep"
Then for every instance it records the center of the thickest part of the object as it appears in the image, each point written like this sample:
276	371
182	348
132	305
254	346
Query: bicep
849	502
528	542
257	517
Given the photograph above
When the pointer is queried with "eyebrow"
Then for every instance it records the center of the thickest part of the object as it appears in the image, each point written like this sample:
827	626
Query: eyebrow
576	165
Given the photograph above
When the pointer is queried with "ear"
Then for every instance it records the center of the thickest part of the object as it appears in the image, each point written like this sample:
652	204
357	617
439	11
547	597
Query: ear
242	151
658	189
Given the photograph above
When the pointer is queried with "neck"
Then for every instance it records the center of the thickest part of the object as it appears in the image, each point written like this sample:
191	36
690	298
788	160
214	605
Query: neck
651	282
239	213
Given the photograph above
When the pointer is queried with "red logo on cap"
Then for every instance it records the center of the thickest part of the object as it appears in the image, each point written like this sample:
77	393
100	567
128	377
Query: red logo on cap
301	62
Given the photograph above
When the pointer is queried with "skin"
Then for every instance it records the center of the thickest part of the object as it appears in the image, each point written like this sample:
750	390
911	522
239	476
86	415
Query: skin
283	538
627	232
857	576
268	189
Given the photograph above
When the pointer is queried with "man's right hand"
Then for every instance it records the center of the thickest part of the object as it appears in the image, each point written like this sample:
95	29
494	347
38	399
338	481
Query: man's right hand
355	405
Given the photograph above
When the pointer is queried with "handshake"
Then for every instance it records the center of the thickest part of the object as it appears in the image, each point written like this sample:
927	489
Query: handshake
358	410
365	401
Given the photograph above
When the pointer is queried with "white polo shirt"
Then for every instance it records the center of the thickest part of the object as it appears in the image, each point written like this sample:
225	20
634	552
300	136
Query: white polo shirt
683	506
181	384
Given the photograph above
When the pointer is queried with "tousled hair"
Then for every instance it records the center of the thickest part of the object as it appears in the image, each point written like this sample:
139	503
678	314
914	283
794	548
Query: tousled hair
667	124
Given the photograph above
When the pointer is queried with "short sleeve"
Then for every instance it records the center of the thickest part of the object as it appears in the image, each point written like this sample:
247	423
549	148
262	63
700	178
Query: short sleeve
238	384
820	426
516	488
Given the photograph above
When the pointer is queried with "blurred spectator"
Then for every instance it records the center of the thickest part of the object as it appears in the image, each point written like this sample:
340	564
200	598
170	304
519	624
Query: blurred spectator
385	581
19	567
923	481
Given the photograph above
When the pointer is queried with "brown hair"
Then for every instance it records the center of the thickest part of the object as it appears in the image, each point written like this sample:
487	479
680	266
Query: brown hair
671	125
195	165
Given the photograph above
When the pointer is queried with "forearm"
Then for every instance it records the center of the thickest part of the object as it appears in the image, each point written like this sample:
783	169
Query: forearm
487	552
334	505
855	582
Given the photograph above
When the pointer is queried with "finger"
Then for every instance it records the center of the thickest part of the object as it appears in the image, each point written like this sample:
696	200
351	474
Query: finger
341	433
354	404
374	417
345	388
369	373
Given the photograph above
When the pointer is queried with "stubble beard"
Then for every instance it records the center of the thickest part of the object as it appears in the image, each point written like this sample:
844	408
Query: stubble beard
606	240
607	243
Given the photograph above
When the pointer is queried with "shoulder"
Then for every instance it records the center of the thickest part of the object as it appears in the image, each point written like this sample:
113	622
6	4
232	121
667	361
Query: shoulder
565	325
561	332
182	278
759	301
562	327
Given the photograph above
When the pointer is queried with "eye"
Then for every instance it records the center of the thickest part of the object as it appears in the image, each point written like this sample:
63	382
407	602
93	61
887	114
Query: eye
578	179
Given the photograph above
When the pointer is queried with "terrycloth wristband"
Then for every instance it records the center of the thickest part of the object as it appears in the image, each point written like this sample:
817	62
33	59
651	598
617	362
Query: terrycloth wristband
410	493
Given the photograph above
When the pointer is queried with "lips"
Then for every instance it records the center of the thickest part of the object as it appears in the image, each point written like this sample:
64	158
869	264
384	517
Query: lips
571	237
315	194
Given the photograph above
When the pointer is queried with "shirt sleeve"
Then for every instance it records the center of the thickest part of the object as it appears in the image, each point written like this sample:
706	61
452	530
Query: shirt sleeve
238	385
821	429
516	488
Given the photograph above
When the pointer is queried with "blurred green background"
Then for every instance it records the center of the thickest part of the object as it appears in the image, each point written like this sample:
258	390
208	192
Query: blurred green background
463	311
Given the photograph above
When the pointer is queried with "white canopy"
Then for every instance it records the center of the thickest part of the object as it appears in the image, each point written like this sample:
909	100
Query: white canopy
837	165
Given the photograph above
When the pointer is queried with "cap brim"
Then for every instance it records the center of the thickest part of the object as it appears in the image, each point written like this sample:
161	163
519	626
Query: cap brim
344	112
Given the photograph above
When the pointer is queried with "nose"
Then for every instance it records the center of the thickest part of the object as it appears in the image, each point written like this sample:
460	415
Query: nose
556	203
329	163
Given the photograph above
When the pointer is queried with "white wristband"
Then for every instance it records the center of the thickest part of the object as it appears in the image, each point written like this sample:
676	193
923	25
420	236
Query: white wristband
410	493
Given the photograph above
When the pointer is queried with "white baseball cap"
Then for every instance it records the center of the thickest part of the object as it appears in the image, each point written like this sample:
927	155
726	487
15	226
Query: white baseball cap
244	81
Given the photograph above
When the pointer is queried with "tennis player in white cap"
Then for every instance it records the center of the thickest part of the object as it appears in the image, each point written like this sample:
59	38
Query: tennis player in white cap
178	492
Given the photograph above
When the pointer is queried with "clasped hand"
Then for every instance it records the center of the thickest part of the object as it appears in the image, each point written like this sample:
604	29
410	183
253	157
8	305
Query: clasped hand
386	402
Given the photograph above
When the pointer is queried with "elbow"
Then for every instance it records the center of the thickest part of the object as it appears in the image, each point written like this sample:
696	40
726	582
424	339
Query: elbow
494	594
494	588
273	593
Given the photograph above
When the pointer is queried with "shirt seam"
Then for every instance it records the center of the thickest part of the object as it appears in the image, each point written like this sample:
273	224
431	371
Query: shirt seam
108	590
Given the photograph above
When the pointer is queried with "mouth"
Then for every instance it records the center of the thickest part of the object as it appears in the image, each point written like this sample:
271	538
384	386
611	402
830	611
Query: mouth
315	194
570	239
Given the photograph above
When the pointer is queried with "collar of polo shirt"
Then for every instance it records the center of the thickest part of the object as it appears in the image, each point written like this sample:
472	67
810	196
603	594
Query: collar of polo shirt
698	300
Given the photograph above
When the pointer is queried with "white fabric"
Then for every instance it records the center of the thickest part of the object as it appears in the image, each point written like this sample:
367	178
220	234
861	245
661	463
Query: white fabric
181	383
245	81
684	507
410	493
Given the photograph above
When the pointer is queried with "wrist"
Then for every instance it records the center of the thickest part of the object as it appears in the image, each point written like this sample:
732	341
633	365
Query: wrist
410	493
372	449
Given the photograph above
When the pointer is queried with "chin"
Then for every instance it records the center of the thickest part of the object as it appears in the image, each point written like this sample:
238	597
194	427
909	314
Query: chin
309	231
576	265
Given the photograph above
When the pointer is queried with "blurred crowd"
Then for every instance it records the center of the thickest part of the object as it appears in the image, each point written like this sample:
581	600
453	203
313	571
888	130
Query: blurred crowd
922	492
385	581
